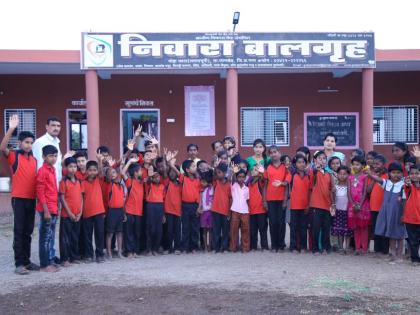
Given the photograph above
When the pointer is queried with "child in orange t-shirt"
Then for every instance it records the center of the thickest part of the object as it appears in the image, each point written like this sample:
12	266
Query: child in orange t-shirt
155	197
93	212
173	209
275	198
299	203
220	209
322	203
70	193
258	213
376	192
411	215
190	198
134	206
116	214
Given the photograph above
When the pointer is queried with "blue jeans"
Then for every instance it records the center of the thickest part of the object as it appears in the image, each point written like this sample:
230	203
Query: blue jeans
46	239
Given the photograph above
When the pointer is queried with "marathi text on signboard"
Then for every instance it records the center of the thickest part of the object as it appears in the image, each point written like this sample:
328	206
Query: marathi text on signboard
227	50
345	126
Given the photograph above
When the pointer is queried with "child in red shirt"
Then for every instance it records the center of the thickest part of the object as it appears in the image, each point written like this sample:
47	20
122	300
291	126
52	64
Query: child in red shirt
299	203
93	212
47	207
275	198
220	209
411	215
321	203
155	197
190	198
376	192
115	215
23	175
257	211
173	210
133	206
70	193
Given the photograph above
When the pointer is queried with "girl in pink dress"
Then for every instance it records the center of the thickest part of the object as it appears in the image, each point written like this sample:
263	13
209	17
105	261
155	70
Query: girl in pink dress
358	208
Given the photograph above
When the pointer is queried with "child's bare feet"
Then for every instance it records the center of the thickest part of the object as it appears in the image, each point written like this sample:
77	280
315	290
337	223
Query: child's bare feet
50	268
66	264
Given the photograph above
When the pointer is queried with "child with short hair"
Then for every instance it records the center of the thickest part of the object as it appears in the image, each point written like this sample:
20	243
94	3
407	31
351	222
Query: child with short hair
340	227
220	209
190	199
134	182
322	203
389	222
23	175
93	212
116	214
257	211
47	207
275	198
172	205
81	159
358	206
155	197
381	244
411	215
240	212
71	199
300	184
206	200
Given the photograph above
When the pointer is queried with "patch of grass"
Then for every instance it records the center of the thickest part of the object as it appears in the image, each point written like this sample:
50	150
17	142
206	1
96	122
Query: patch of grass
339	284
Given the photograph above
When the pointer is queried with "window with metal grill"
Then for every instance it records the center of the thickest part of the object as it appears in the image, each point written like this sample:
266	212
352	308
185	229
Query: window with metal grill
268	123
27	122
395	123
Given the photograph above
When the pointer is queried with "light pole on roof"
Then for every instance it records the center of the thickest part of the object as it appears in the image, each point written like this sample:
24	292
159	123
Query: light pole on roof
235	20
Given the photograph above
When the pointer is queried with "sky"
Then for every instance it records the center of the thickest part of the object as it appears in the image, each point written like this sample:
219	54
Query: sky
57	25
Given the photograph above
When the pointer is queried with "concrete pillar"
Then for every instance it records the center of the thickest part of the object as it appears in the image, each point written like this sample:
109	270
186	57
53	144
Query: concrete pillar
232	108
92	108
366	135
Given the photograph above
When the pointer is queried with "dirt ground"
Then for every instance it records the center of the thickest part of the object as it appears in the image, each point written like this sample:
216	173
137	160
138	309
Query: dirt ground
254	283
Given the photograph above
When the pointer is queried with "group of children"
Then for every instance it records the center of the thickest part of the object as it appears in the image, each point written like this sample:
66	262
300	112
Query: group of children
146	203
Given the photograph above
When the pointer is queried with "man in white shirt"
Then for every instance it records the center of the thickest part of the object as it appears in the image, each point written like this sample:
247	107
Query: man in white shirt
53	128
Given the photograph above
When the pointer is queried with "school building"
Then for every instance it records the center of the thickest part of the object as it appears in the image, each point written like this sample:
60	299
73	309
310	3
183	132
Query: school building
284	94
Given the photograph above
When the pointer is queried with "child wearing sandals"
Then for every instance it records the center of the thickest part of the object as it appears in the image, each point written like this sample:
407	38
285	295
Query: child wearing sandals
340	227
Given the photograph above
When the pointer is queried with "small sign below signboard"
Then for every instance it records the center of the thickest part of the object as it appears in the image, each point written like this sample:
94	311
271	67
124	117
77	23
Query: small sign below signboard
345	126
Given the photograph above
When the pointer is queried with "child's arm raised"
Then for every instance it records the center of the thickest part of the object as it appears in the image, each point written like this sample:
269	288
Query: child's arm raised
172	162
375	177
13	124
235	169
127	166
416	153
100	159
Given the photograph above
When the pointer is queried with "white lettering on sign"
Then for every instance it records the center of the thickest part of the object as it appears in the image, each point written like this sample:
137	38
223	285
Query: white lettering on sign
80	102
140	46
139	103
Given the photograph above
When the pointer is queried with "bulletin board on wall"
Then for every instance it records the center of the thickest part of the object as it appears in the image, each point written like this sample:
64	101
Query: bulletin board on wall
345	126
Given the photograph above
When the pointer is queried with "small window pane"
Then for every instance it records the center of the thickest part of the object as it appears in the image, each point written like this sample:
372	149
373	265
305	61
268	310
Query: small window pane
268	123
395	123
